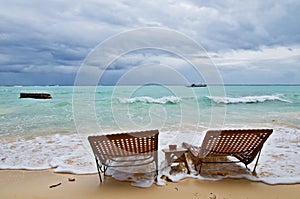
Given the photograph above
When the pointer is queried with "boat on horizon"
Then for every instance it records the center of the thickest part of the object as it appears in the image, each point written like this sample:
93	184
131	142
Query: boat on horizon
197	85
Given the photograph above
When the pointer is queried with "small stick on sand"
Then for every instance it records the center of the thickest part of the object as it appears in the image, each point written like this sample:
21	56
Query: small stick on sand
55	185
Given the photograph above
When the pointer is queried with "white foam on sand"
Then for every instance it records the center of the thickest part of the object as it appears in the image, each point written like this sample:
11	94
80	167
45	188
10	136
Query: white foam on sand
279	161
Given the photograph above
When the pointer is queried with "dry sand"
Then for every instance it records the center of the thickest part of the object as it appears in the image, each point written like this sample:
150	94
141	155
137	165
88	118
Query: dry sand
36	184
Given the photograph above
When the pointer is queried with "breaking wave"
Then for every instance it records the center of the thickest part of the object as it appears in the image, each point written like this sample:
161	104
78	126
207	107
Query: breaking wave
248	99
150	100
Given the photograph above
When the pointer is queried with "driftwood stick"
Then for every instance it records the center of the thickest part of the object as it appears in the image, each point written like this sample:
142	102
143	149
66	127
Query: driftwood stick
55	185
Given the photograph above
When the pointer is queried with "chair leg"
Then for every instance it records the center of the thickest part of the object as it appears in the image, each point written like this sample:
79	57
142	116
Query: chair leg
156	165
99	170
200	168
256	162
196	167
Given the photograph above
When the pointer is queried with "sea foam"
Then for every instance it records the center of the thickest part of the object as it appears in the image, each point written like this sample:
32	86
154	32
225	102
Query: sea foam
72	154
248	99
150	100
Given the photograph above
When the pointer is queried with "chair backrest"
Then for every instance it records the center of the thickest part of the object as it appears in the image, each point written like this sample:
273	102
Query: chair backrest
124	144
243	144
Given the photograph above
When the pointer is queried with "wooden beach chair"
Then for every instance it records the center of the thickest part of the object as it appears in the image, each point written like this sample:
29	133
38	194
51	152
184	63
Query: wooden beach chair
125	149
243	144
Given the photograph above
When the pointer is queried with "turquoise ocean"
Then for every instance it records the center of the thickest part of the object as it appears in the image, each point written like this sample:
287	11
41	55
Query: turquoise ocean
51	133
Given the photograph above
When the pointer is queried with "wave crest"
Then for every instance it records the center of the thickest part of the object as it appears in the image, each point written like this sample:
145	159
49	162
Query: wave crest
247	99
150	100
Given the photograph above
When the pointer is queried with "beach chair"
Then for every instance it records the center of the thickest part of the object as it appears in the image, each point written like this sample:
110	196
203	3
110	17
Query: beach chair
243	144
125	150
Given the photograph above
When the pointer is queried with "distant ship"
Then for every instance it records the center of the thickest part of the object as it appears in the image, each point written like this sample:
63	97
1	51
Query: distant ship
197	85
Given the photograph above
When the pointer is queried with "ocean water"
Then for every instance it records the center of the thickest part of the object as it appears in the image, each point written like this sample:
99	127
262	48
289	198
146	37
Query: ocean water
52	133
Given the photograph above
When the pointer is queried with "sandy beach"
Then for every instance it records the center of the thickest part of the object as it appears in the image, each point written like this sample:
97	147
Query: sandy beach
36	184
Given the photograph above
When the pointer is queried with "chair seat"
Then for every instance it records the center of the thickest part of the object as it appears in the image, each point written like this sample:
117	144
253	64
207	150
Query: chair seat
135	148
243	144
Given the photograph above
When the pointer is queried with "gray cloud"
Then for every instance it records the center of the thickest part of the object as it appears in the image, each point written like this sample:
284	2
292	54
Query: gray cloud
266	65
56	36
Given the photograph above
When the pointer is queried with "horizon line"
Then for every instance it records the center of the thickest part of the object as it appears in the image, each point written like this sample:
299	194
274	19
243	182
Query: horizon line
237	84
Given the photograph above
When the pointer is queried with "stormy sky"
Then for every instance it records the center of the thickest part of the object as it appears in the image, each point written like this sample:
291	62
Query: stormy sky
250	42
